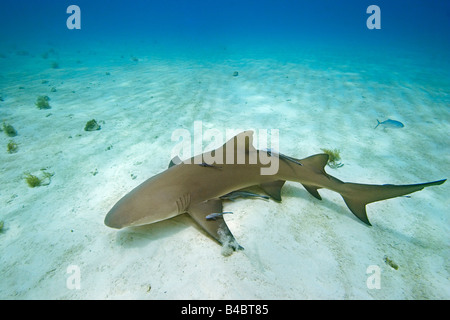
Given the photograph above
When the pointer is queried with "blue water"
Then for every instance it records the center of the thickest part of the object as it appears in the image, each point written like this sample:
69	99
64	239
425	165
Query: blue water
201	23
289	30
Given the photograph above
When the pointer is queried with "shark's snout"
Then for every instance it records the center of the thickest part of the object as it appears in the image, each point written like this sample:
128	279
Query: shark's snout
112	221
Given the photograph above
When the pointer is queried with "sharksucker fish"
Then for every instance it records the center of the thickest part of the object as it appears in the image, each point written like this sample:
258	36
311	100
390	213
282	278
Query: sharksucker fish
242	194
283	156
196	189
214	216
389	123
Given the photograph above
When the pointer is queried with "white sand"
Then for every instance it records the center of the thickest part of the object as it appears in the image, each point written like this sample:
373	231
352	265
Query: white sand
301	248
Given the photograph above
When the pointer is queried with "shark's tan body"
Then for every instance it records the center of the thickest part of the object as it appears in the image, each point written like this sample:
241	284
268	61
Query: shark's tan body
195	188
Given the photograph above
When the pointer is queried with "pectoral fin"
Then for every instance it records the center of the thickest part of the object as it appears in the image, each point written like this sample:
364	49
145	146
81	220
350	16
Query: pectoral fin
217	228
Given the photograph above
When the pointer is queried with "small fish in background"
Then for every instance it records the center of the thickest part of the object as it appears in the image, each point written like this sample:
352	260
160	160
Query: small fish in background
214	216
389	123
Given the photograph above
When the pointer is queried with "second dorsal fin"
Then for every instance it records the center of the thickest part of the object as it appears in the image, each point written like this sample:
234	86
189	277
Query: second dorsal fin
317	161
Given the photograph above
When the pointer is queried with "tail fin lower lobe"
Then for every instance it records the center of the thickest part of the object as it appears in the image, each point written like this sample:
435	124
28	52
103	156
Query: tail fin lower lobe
356	196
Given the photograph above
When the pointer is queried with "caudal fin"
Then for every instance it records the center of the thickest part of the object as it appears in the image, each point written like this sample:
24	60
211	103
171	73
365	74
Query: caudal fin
377	124
356	196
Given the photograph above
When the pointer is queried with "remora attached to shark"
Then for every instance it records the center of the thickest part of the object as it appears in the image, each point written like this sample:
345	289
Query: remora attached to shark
195	185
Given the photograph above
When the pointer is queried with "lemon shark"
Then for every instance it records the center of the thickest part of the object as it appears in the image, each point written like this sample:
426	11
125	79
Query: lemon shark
196	185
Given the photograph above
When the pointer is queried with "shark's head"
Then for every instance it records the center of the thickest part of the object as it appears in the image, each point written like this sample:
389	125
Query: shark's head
117	217
143	205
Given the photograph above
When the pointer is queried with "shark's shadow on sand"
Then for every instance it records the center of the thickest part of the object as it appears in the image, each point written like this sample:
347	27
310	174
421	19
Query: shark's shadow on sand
141	236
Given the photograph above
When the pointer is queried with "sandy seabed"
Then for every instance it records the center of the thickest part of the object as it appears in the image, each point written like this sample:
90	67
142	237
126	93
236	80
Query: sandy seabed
301	248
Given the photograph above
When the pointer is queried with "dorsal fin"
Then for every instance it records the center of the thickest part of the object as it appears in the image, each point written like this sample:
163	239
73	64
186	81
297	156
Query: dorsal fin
318	161
175	160
241	141
237	149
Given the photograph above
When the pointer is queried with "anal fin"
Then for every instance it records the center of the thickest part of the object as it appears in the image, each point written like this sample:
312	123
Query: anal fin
312	190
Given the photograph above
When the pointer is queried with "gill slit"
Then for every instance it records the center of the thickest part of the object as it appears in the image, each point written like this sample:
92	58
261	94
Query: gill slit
183	203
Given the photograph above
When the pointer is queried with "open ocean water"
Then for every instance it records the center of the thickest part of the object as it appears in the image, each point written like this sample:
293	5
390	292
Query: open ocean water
321	72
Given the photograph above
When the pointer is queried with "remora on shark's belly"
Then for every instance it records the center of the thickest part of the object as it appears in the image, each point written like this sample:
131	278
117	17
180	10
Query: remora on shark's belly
195	188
